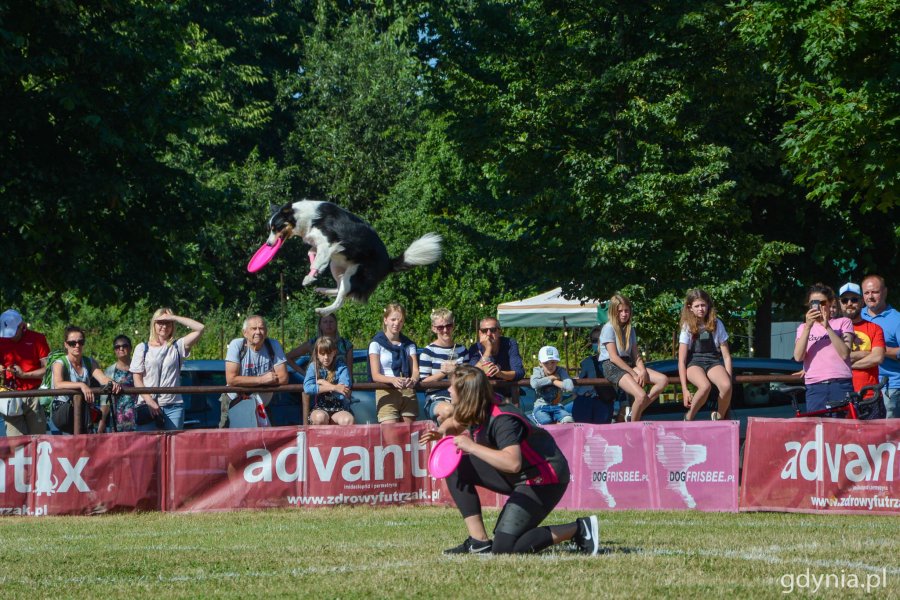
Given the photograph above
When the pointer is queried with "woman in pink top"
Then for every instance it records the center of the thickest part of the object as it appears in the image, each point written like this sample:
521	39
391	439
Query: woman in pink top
824	347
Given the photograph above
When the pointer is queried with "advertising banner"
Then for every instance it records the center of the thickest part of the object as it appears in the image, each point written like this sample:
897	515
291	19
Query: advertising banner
652	465
66	475
625	466
289	466
16	475
822	465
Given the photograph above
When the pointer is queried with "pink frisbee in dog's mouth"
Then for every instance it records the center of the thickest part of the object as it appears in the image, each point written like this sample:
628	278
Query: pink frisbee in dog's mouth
263	256
444	459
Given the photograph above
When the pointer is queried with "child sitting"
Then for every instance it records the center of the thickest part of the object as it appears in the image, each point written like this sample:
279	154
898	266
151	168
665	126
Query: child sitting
549	382
327	382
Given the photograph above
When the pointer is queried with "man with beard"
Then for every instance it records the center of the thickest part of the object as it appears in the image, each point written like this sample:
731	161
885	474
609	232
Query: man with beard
867	349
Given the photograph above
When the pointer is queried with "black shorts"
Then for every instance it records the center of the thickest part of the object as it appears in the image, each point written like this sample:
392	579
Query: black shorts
705	361
613	372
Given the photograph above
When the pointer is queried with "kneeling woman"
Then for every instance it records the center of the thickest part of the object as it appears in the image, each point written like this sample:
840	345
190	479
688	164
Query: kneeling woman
506	454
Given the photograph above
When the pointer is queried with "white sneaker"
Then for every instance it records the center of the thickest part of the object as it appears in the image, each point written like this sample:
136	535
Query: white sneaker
587	536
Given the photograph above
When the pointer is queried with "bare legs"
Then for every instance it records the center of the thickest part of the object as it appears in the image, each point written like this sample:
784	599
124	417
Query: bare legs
642	398
703	381
320	417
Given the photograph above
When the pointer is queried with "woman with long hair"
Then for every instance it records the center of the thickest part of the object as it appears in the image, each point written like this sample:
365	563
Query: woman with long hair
704	359
505	453
394	359
823	344
157	363
621	361
74	371
326	327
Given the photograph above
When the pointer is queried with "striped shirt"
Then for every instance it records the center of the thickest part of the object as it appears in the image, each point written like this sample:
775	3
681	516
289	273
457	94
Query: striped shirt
432	355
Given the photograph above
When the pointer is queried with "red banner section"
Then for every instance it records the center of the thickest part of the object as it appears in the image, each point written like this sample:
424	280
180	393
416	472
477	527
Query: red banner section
57	475
312	466
822	465
639	465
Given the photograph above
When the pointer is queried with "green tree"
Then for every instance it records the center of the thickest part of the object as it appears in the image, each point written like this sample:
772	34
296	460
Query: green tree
836	64
357	103
609	138
119	121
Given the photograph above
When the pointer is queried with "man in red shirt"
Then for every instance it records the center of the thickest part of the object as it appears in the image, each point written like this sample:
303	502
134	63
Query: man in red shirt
23	355
868	348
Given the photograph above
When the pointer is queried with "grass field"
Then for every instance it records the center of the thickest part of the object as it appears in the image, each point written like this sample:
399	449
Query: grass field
354	552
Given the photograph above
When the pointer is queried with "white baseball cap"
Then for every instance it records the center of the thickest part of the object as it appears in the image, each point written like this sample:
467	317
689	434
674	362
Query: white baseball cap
853	288
548	353
9	323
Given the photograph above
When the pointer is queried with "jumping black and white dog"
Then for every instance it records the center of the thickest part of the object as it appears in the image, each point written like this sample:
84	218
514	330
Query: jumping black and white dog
358	258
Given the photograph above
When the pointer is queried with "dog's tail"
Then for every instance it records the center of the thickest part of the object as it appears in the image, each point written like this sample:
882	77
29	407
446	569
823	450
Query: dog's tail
423	251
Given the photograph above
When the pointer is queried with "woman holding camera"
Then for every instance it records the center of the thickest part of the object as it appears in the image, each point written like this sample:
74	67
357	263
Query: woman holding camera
823	345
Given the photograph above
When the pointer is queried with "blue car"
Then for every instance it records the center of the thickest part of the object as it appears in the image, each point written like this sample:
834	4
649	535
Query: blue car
747	399
203	411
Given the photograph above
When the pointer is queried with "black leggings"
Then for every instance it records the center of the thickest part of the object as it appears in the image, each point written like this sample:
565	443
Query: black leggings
517	528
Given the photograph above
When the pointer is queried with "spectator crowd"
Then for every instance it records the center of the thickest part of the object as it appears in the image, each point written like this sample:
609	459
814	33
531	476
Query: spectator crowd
846	341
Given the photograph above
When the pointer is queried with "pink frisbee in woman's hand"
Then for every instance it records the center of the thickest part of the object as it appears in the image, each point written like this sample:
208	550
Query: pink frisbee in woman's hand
263	256
444	459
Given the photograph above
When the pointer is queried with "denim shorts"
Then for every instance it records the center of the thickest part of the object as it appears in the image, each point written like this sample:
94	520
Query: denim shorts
833	390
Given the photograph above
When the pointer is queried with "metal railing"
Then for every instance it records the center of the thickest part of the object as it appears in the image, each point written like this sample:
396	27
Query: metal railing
363	386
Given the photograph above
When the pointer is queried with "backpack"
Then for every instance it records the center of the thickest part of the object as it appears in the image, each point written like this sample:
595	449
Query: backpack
177	353
47	382
269	350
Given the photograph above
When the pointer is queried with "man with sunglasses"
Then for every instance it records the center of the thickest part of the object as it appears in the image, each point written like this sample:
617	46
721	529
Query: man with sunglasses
868	350
23	355
496	355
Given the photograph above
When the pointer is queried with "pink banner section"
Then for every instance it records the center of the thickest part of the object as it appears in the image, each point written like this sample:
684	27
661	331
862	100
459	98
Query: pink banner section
671	466
652	465
822	466
56	475
640	465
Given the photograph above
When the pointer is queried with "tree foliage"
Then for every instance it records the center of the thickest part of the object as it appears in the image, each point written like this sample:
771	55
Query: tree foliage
647	147
837	65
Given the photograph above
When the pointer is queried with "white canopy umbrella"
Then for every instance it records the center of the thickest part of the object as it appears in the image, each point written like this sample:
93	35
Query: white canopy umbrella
552	309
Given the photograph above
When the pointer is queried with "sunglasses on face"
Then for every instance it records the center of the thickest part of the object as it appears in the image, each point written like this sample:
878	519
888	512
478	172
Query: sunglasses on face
121	347
73	343
489	329
446	327
853	300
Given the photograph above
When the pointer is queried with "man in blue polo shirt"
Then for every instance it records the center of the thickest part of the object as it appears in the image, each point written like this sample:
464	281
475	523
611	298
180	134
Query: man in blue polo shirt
881	313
